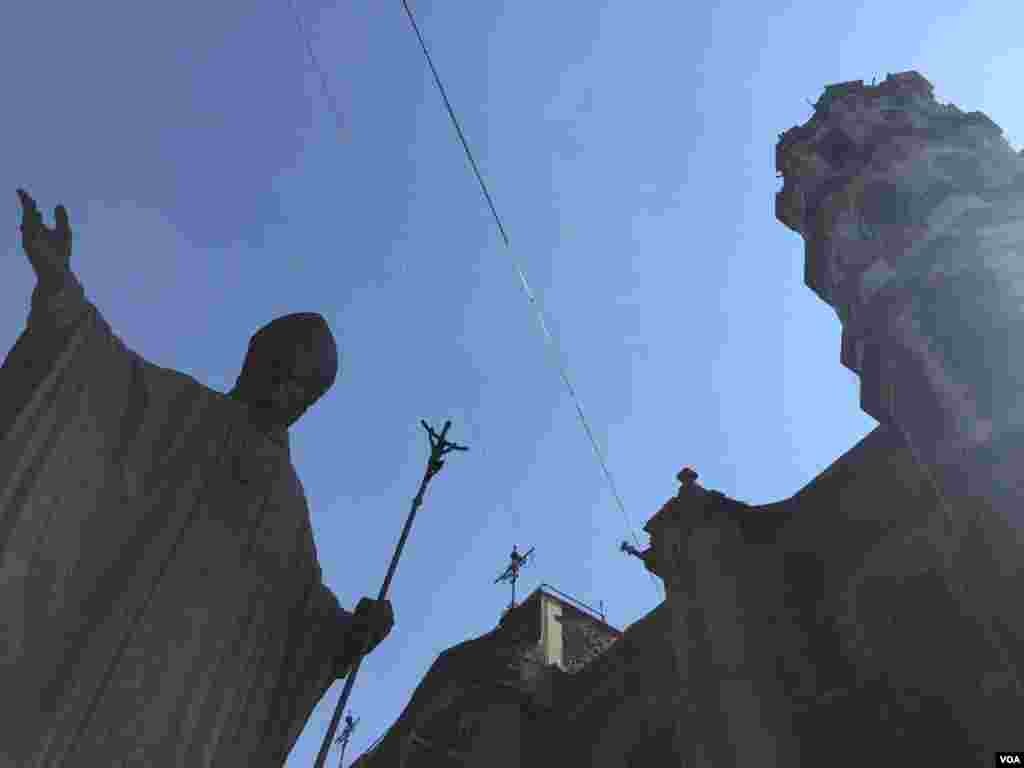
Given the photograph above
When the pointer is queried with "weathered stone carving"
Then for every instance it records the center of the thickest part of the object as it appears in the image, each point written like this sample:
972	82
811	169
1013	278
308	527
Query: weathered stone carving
912	214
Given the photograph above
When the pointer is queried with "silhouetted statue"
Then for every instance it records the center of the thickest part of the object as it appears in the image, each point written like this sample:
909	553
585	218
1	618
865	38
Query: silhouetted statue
161	602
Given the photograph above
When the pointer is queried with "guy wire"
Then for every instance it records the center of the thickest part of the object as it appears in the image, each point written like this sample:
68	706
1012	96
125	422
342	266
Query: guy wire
525	284
316	65
504	236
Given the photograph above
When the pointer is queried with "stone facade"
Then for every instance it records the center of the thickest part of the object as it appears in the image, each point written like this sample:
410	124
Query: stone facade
831	619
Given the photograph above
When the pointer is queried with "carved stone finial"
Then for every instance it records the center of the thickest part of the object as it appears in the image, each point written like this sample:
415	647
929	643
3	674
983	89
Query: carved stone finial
686	478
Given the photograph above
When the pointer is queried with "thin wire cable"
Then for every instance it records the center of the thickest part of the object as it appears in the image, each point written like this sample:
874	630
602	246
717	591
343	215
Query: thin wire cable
525	284
316	65
455	122
563	373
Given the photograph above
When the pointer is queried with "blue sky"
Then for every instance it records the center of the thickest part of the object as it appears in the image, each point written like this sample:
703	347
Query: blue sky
629	147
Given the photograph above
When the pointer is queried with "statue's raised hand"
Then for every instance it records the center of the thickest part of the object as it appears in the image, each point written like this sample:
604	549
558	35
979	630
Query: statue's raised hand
48	250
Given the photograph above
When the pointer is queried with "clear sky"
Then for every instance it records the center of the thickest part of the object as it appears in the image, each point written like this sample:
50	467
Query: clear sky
629	147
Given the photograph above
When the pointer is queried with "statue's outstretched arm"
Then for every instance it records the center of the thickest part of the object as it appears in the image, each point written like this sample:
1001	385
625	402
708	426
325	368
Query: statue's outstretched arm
58	307
58	302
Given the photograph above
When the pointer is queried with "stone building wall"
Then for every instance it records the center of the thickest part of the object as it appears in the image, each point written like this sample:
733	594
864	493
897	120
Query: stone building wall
831	608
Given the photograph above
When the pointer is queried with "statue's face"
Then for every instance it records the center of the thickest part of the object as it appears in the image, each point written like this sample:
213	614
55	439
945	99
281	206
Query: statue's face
287	385
290	365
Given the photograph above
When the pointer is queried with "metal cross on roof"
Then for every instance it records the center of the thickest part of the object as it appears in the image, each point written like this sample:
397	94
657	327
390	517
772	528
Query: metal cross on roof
511	573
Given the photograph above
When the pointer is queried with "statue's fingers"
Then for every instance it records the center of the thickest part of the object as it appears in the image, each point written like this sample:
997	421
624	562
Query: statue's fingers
31	212
60	213
27	202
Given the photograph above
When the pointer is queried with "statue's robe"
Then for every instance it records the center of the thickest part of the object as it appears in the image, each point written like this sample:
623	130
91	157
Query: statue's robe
161	603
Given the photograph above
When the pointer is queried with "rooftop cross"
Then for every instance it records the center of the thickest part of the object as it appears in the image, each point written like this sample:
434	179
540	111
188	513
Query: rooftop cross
511	573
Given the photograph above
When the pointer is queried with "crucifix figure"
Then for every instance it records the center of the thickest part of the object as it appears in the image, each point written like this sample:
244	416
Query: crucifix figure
345	736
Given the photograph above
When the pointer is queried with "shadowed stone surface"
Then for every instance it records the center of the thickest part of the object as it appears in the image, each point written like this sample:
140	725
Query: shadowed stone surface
838	615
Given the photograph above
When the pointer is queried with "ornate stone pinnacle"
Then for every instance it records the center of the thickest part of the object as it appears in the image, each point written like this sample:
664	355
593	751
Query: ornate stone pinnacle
686	477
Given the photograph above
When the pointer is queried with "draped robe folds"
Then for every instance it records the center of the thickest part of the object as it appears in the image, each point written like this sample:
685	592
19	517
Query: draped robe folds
161	603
